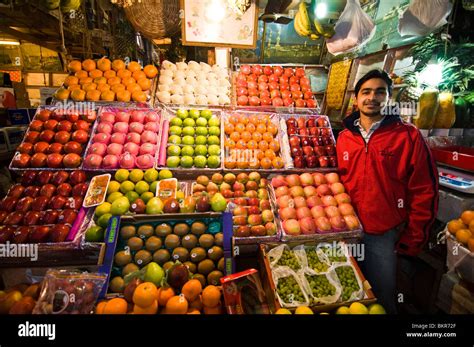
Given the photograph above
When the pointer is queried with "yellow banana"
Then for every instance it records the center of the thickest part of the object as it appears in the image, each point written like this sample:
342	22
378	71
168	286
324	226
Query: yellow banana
314	36
326	30
299	27
304	16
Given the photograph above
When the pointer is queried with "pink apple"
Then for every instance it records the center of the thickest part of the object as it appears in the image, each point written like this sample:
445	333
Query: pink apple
137	116
101	138
144	161
110	161
122	117
151	117
149	137
114	149
105	127
93	161
98	148
108	117
118	138
136	127
152	126
147	148
127	161
121	127
133	137
131	147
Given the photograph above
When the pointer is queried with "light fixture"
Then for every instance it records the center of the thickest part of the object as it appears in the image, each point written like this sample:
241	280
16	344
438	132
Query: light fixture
9	43
215	11
321	10
431	75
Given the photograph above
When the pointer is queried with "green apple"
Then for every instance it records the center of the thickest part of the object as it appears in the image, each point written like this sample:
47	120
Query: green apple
154	274
189	122
214	150
147	196
214	131
154	206
142	187
151	175
182	113
175	139
132	196
188	131
213	140
121	175
165	174
188	140
172	161
126	187
175	130
176	121
186	161
154	185
206	114
200	150
201	131
201	122
213	161
201	140
173	150
200	161
194	114
214	122
187	151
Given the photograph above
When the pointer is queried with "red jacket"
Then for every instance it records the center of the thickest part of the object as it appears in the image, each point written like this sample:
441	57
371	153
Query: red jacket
391	180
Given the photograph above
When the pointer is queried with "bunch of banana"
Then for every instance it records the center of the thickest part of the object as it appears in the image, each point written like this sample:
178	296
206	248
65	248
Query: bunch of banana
303	24
326	30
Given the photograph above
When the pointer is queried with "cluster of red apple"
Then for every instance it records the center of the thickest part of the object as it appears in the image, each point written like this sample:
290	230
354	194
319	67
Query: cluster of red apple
42	207
55	139
313	203
273	86
311	142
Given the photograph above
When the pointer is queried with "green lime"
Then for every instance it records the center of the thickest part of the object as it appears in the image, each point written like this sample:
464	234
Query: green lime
121	175
182	113
188	140
188	131
127	186
200	161
103	220
147	196
214	131
194	114
172	161
142	187
213	161
213	140
214	150
95	234
187	151
151	175
200	150
132	196
201	140
206	114
135	175
175	130
174	139
176	121
186	161
102	209
201	131
113	187
165	174
201	122
154	185
112	197
189	122
173	150
214	122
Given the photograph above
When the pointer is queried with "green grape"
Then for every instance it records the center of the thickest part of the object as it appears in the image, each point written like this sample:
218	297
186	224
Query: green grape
289	290
348	281
314	262
334	255
320	285
288	258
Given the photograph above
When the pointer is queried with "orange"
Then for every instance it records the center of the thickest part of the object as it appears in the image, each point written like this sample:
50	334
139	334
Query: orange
253	119
95	73
128	80
74	66
144	83
470	244
139	96
278	163
252	144
261	128
70	80
229	143
89	86
471	226
267	137
117	88
124	73
103	87
145	294
271	128
263	145
114	80
467	216
150	71
235	136
152	309
100	80
62	94
254	164
109	74
260	154
107	95
265	119
239	127
104	64
274	146
99	309
230	164
463	235
194	311
242	165
78	95
256	136
124	95
134	66
165	293
233	120
243	119
266	163
88	65
177	305
196	304
213	310
81	74
116	306
85	80
138	75
118	64
250	128
228	128
270	154
211	296
192	289
133	87
74	87
246	136
93	95
455	225
241	144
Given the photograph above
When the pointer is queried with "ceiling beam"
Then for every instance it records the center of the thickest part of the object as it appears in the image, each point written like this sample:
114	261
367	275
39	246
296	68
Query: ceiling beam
30	38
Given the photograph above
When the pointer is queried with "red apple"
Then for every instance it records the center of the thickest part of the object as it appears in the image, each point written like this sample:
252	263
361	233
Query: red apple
40	203
307	225
299	201
294	141
38	160
20	235
65	125
64	189
242	100
80	136
72	160
36	125
287	102
24	204
77	177
287	213
59	233
14	218
40	147
291	227
32	136
278	70
67	216
254	101
32	218
59	177
57	202
21	160
55	148
323	161
80	189
50	124
46	135
16	191
277	102
258	230
49	216
299	162
25	148
32	191
242	231
39	234
47	190
323	224
323	189
311	103
313	201
81	125
265	101
267	70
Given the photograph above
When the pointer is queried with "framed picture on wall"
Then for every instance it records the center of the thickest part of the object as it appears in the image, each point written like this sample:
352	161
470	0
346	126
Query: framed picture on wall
217	23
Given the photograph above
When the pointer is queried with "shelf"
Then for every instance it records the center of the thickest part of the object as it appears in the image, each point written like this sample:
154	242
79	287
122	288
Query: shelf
169	216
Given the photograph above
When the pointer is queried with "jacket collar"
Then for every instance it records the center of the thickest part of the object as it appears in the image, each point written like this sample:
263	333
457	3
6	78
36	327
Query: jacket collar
349	121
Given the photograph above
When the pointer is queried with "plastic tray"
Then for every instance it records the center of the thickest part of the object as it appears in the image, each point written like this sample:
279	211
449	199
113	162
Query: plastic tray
459	157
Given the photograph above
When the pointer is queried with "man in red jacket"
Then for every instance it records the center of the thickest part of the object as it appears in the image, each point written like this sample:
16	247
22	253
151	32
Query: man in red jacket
392	180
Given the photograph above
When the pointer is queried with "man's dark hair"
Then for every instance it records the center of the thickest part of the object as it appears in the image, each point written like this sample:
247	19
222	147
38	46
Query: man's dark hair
375	74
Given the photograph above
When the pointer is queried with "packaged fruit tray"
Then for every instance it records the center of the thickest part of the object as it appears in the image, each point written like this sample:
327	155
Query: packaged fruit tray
44	208
313	206
253	141
310	141
187	130
272	86
124	137
56	139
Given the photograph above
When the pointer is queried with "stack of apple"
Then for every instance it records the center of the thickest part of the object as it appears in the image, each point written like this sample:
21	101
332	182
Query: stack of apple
273	86
42	207
311	142
313	203
55	139
124	138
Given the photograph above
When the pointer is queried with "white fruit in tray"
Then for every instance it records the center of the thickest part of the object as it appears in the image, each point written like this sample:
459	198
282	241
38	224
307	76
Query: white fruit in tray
180	81
164	96
167	65
189	99
201	100
199	89
224	82
212	90
164	87
182	66
212	99
190	73
224	100
194	66
192	81
188	89
168	73
177	99
201	75
179	74
165	79
176	89
205	67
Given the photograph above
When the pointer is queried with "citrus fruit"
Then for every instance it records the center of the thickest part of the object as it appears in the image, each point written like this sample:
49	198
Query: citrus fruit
211	296
135	175
463	235
95	234
358	308
145	294
164	294
192	289
455	225
142	187
114	196
127	186
150	175
303	310
283	311
116	306
376	309
103	220
177	305
342	310
121	175
102	209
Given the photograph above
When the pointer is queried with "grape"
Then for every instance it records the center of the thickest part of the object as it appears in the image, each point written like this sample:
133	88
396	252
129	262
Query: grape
320	286
335	255
348	281
288	258
289	290
314	262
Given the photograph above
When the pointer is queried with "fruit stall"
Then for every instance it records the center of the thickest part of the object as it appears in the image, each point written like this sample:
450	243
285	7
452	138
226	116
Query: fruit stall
209	183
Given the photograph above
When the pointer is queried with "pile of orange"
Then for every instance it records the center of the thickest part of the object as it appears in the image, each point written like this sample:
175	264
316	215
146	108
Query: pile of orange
463	229
251	142
107	81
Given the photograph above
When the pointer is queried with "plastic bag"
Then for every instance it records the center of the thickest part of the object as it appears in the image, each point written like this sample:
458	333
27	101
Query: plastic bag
289	288
351	285
69	292
283	256
322	288
424	16
315	260
353	29
334	254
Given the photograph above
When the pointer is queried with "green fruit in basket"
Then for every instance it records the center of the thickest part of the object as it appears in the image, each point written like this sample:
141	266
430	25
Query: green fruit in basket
214	150
348	281
102	209
186	161
187	151
176	121
103	220
188	131
151	175
135	175
175	130
189	122
154	206
174	139
289	290
121	175
313	260
201	131
132	196
120	206
182	113
320	286
114	196
213	161
142	187
201	122
194	114
188	140
147	196
213	140
214	131
127	186
153	187
95	234
201	140
206	114
172	161
165	174
113	187
173	150
288	258
200	161
200	150
214	122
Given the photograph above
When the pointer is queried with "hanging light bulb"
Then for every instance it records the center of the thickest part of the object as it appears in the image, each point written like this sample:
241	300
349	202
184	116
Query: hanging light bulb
431	75
321	10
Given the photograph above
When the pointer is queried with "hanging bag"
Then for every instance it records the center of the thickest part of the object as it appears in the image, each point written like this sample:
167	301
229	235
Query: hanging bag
424	16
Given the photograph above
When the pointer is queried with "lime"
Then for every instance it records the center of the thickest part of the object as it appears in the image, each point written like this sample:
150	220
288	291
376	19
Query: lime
141	187
165	174
176	121
132	196
121	175
200	161
182	113
200	150
194	114
213	140
127	186
102	209
206	114
175	130
136	175
188	140
147	196
95	234
214	122
103	220
187	151
173	150
189	122
213	161
172	161
201	140
214	150
188	131
112	197
113	187
151	175
201	131
186	161
215	131
175	139
154	185
120	206
201	122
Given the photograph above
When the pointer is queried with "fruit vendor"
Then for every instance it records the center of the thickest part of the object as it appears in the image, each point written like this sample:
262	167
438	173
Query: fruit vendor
391	178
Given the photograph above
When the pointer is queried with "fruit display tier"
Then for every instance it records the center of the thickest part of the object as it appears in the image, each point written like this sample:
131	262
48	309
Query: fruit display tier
56	139
192	139
124	137
313	206
273	86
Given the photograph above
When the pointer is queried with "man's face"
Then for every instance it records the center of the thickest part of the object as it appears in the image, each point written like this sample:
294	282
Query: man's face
372	97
